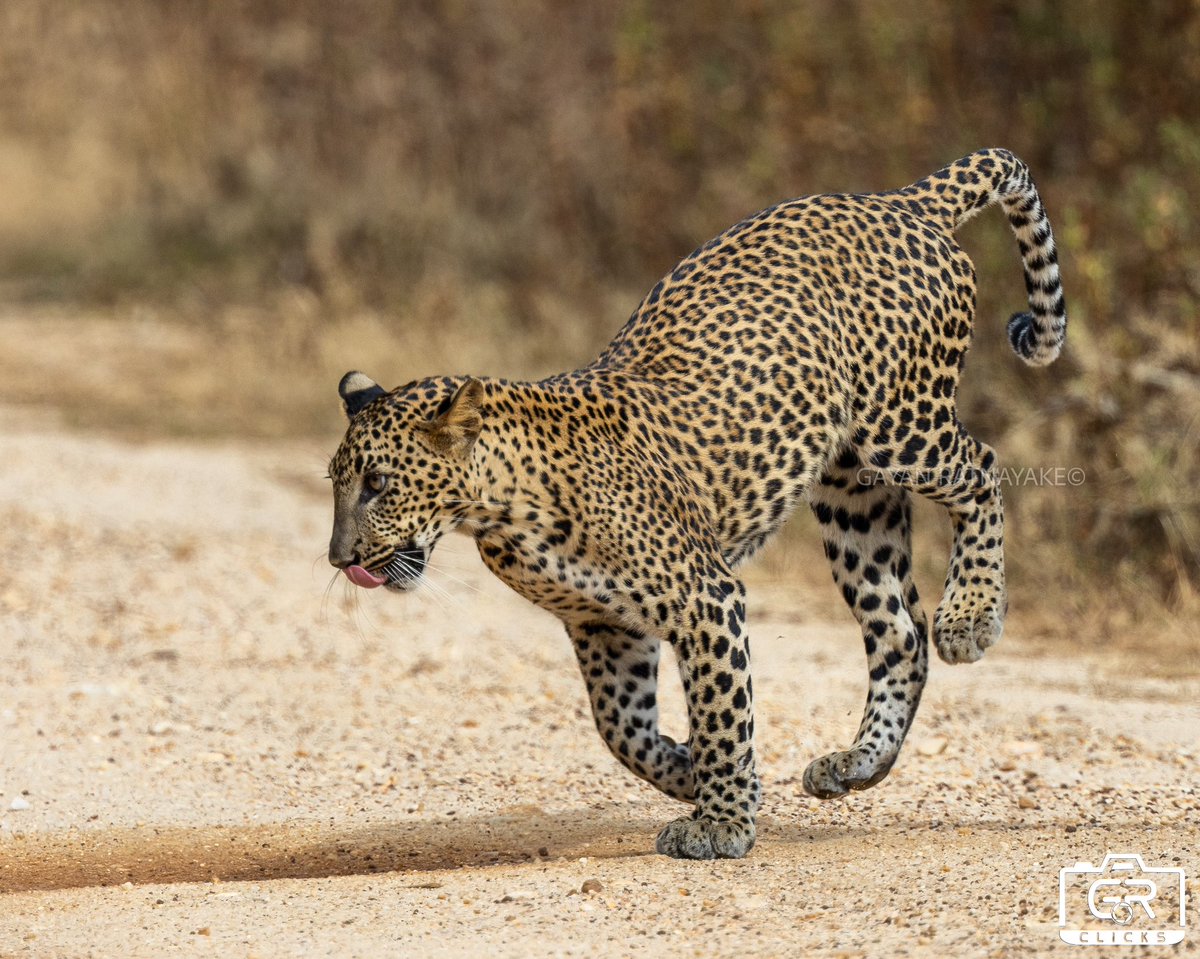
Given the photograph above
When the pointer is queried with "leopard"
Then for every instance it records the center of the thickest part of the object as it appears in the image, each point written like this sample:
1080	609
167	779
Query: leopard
811	353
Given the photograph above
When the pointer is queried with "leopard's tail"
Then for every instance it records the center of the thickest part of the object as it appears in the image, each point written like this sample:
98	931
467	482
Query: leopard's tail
957	192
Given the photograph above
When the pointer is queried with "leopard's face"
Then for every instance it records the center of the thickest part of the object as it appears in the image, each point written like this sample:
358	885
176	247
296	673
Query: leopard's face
400	480
388	498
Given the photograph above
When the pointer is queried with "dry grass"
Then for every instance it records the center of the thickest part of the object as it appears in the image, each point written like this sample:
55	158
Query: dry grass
212	210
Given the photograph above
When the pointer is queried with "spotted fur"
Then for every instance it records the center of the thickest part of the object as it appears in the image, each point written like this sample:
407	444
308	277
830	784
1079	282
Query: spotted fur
809	353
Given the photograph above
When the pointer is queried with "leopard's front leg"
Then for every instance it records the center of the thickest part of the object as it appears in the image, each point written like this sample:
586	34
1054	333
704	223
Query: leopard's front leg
709	637
620	668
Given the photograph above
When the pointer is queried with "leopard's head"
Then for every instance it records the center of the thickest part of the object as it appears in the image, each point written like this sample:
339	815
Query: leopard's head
401	476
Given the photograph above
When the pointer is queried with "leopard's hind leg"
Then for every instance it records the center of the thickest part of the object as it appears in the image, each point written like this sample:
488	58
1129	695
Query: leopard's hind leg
970	616
959	473
867	534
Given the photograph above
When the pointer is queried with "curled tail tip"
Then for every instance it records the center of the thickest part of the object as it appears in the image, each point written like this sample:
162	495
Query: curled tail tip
1030	342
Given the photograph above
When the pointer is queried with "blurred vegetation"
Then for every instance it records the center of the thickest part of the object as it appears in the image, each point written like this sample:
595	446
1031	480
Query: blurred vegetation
454	185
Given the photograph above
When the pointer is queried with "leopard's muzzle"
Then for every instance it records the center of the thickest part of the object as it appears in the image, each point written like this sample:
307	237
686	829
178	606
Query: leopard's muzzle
399	572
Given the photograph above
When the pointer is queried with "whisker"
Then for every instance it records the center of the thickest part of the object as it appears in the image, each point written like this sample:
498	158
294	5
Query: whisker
439	595
326	594
461	582
412	570
436	597
350	604
436	588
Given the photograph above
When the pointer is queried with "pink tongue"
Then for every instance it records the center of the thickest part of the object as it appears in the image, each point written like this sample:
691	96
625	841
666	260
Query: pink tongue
361	577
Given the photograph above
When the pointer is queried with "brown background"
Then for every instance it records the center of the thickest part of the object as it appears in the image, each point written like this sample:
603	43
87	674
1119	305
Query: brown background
210	211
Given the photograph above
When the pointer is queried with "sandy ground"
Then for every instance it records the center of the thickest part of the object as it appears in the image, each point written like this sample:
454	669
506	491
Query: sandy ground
205	749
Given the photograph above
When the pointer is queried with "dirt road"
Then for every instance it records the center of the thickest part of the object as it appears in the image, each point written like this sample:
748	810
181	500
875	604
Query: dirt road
205	750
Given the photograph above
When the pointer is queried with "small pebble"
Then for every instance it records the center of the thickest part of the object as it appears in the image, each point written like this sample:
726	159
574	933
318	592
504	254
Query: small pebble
1028	802
1022	747
933	746
19	803
590	886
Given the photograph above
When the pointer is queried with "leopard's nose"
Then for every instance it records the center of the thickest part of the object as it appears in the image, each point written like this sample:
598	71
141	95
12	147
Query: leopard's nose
339	558
343	541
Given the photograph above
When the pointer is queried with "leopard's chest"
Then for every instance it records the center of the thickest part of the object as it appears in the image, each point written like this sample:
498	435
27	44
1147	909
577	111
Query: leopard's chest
555	576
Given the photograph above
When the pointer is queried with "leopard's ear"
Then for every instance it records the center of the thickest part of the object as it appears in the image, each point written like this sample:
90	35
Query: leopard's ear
455	431
357	390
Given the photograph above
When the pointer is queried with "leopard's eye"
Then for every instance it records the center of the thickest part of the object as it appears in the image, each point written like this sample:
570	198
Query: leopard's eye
375	482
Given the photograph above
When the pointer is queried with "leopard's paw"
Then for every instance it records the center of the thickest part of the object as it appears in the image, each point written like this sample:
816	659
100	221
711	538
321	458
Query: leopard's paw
704	838
836	774
962	632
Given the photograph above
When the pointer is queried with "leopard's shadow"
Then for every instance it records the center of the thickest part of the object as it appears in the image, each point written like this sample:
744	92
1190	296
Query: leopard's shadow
313	849
306	849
